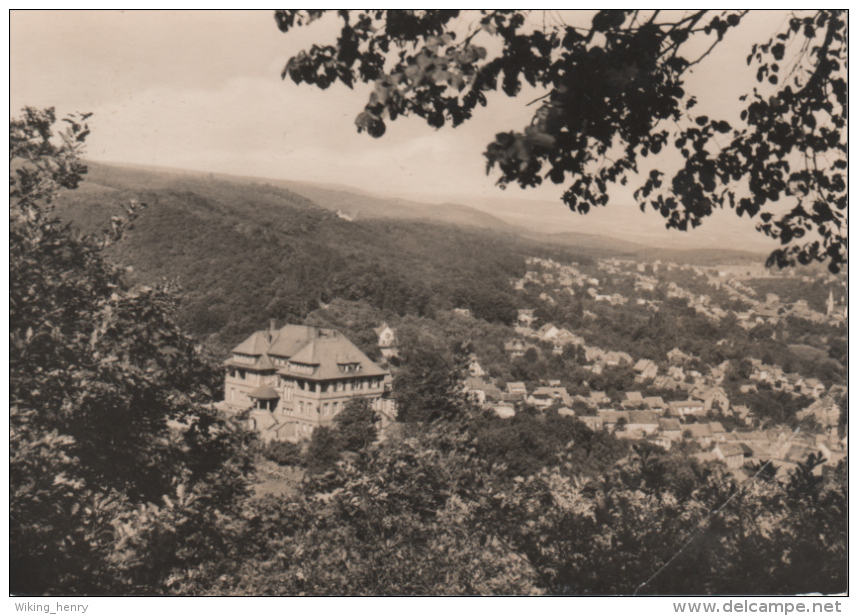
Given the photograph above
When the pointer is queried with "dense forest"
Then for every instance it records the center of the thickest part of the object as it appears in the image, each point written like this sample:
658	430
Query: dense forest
244	253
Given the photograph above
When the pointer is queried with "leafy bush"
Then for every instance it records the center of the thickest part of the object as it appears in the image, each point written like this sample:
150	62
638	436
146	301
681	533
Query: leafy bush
283	453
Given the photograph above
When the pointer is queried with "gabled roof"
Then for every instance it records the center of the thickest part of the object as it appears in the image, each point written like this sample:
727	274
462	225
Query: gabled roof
732	449
683	403
378	330
669	423
642	417
698	430
551	391
643	364
612	416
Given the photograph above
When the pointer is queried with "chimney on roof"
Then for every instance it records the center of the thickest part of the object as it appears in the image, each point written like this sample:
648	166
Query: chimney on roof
272	327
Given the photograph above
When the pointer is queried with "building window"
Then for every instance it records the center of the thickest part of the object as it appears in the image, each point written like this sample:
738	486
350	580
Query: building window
325	410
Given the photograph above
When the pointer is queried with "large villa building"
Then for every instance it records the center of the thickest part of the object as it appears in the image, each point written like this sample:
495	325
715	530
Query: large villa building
297	378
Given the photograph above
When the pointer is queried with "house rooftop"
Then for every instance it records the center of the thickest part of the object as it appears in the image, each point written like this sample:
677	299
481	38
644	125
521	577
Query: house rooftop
256	344
322	353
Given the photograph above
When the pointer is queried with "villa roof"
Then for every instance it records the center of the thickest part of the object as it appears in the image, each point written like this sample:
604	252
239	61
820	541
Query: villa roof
256	344
327	351
290	339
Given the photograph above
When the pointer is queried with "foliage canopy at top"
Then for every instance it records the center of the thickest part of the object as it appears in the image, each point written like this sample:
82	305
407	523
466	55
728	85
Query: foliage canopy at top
616	93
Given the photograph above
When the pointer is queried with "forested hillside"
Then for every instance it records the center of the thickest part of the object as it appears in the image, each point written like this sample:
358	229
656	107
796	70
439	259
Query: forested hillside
244	253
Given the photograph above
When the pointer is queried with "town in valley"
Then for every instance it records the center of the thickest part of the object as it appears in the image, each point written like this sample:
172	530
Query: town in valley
715	398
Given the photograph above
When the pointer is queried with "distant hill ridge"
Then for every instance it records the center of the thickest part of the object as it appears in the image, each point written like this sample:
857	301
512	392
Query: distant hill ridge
360	204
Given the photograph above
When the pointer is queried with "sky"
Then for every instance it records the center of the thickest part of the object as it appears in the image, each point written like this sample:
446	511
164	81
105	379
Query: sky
202	90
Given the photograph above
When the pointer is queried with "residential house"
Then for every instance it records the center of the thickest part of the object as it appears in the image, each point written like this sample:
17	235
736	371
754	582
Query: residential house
677	373
594	422
641	423
825	411
812	388
665	382
682	408
616	358
503	410
475	389
699	432
493	394
670	428
718	373
675	356
298	378
645	369
633	400
523	331
734	455
706	456
598	397
757	441
565	337
474	367
557	394
515	348
517	389
547	332
612	418
386	340
593	354
540	401
714	398
525	317
718	432
742	412
655	403
660	440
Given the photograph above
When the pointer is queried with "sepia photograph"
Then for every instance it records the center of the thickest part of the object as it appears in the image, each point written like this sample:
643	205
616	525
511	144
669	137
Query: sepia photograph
433	303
